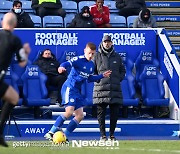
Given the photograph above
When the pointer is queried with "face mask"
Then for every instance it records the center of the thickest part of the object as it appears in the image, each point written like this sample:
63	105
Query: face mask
17	10
85	15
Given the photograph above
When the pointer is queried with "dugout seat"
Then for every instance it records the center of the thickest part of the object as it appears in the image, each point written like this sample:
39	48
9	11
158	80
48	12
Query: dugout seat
18	69
144	58
11	78
34	87
128	63
152	88
128	91
67	55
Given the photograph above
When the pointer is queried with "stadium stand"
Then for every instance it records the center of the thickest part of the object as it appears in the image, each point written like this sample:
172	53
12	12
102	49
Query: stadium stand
32	78
69	6
53	22
36	20
85	3
130	21
117	21
5	6
68	19
112	6
167	13
152	79
26	6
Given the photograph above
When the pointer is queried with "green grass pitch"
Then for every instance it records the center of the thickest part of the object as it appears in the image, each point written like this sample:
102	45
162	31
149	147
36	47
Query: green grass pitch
125	147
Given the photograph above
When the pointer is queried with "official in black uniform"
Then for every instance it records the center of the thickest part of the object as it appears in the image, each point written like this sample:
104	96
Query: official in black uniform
9	45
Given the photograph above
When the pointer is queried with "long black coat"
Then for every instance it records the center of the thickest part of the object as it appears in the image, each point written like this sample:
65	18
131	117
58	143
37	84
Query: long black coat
108	90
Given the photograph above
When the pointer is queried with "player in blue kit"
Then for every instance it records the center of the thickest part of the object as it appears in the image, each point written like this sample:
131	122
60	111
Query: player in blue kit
82	69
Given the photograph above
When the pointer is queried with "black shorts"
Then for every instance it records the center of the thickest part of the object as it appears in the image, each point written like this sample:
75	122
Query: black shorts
3	88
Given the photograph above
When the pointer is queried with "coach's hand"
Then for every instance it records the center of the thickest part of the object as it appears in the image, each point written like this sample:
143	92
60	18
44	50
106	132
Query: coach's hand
61	70
107	74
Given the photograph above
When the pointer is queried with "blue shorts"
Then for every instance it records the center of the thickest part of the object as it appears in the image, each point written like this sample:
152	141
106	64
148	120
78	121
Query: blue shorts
72	97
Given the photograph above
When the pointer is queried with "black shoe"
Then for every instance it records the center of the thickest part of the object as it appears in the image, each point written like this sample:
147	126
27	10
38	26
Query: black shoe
112	138
103	138
3	142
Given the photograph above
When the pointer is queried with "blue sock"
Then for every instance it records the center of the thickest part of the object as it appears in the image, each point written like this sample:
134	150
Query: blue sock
59	122
71	126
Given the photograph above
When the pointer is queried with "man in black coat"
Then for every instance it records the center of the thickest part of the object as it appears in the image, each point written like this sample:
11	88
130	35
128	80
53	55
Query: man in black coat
49	66
23	18
83	19
108	90
47	7
130	7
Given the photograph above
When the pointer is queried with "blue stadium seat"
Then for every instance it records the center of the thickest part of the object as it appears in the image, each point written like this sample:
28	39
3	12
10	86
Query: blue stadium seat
34	87
128	91
117	21
127	85
68	19
144	58
5	6
128	63
18	70
11	78
85	3
152	87
87	92
112	6
70	6
67	55
1	18
36	20
26	6
52	22
130	21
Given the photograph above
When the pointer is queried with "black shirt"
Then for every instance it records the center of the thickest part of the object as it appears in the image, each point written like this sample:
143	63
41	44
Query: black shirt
9	45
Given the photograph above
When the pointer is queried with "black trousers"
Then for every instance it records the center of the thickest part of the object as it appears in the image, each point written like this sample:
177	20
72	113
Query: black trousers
101	113
41	11
129	12
56	81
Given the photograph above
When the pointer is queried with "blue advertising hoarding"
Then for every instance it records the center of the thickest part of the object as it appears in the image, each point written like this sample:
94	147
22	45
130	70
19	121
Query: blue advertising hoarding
59	40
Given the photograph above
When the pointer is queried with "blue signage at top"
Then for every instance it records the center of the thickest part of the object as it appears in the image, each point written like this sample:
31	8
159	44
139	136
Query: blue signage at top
163	4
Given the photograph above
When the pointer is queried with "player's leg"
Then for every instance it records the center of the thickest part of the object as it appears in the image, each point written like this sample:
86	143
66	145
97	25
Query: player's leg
59	122
11	98
101	112
114	113
75	121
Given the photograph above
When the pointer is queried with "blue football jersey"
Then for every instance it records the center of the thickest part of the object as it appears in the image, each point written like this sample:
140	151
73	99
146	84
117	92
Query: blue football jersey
81	70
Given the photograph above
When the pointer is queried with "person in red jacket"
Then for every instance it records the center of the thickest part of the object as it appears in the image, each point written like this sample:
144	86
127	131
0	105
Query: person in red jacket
100	14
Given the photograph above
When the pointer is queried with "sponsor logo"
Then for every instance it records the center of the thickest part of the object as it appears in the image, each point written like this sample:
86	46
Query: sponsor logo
56	39
127	38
